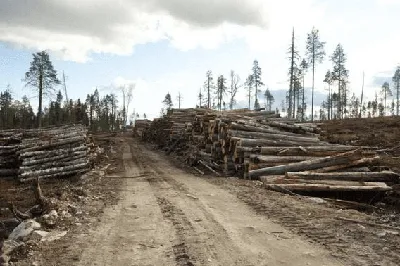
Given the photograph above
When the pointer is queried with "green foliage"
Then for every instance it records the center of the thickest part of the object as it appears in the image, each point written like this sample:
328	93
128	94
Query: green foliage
315	53
168	101
209	88
221	91
396	83
256	104
269	99
249	87
43	76
340	74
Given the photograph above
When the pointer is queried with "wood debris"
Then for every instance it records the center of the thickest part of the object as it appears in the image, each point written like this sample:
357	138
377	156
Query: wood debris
260	145
46	153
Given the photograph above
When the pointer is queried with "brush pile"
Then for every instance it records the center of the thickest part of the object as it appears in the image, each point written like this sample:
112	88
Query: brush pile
283	153
46	153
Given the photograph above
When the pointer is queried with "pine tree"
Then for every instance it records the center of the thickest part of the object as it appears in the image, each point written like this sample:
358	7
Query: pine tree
233	89
256	78
209	87
315	53
42	76
179	98
168	102
396	84
221	90
200	98
6	111
293	71
304	68
256	105
340	74
328	80
385	92
269	99
249	87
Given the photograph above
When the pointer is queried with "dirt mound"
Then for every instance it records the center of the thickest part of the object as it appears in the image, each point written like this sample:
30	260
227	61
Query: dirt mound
380	132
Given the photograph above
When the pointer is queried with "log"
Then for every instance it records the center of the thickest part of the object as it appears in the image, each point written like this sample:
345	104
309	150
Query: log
279	159
56	175
54	170
269	142
326	188
284	180
58	163
53	145
350	164
386	176
260	135
306	165
46	154
250	128
208	167
327	150
292	128
67	155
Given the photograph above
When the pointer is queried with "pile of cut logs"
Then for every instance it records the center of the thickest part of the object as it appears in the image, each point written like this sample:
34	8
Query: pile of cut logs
46	153
141	125
281	152
8	154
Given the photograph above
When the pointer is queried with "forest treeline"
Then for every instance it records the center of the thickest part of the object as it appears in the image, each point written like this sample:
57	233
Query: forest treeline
108	113
220	93
99	113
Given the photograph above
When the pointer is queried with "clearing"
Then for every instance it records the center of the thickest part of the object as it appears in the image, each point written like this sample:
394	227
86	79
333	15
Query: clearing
167	215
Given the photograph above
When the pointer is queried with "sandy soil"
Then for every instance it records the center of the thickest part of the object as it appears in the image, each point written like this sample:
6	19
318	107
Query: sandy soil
168	216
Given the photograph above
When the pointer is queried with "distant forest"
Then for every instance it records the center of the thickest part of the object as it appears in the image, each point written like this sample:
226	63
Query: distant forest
106	113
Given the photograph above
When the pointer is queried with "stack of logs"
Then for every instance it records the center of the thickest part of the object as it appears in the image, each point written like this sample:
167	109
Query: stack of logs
141	125
8	154
281	152
47	153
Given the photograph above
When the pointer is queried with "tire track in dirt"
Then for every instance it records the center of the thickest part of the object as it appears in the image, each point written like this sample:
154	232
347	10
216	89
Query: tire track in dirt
181	225
199	241
169	211
344	244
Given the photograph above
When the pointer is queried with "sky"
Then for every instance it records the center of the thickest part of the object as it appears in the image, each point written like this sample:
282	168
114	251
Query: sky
166	46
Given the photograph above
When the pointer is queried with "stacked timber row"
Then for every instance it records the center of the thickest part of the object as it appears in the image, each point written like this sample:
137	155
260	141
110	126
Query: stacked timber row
141	125
281	152
58	152
46	153
8	154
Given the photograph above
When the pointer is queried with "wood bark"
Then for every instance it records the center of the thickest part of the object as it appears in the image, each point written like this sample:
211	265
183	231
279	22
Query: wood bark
268	142
386	176
279	159
284	180
53	170
322	187
257	135
307	165
54	145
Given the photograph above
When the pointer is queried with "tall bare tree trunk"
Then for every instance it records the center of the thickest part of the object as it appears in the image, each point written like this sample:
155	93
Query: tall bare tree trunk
291	89
40	100
397	96
312	92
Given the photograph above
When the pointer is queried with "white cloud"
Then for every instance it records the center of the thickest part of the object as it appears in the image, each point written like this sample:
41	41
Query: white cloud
74	29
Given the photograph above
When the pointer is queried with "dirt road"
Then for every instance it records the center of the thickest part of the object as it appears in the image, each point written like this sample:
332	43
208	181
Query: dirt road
169	217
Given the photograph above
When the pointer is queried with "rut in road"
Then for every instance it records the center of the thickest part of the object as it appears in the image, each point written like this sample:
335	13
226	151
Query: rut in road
200	242
169	217
204	240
